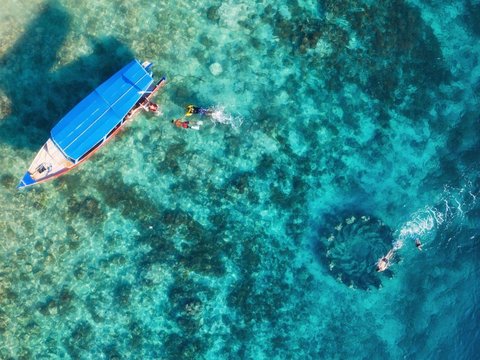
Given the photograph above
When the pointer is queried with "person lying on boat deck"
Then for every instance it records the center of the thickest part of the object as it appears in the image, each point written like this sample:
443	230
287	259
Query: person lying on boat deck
41	168
191	109
187	124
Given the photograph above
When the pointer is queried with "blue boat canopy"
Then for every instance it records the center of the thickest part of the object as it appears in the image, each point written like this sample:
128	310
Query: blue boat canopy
96	115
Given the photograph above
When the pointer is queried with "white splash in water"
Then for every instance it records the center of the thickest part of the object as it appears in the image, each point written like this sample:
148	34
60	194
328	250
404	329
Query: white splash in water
219	116
425	222
422	222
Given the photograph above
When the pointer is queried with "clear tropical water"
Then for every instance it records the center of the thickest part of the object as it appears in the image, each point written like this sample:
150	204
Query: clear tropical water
355	126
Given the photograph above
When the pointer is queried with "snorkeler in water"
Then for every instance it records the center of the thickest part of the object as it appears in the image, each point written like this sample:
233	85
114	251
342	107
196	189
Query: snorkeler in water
185	124
384	262
191	109
181	124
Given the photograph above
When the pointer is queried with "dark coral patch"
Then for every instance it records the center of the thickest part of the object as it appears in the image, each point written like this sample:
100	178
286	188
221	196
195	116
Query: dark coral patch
88	208
212	13
472	16
186	310
80	340
384	49
122	293
8	180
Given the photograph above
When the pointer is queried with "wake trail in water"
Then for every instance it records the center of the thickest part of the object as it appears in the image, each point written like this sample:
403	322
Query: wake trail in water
424	224
219	116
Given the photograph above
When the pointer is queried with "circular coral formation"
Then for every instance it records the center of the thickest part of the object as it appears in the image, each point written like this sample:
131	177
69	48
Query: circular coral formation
349	246
216	69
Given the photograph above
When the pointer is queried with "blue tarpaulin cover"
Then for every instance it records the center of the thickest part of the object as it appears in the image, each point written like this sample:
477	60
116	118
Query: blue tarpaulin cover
96	115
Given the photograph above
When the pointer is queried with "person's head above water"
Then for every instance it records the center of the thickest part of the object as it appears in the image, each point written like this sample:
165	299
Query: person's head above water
418	244
191	110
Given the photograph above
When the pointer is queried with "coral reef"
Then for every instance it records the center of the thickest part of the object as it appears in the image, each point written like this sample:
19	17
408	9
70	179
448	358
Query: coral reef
349	245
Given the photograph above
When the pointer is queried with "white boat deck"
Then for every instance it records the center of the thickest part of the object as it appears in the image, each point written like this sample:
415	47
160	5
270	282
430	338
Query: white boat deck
48	162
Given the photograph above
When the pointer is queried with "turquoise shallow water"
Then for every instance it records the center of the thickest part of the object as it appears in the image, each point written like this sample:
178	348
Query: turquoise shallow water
350	125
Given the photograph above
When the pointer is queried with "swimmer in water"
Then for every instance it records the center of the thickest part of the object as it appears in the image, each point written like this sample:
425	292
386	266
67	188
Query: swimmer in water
397	245
418	244
191	109
195	125
384	262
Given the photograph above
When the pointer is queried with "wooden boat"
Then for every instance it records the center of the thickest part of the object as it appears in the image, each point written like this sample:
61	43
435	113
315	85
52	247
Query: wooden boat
93	121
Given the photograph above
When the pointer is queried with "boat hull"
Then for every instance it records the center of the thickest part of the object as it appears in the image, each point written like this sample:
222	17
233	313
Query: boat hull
51	162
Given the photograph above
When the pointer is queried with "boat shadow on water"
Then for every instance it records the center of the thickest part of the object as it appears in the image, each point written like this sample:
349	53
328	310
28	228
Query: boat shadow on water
39	93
